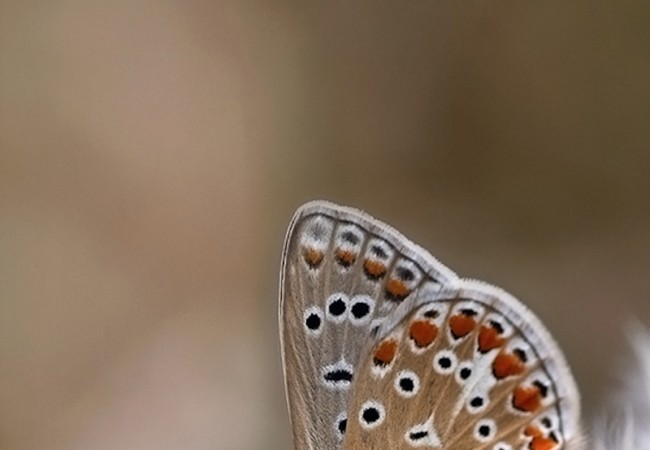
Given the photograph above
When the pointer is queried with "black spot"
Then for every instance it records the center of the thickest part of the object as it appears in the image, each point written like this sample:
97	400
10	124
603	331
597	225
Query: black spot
521	355
497	326
543	389
405	274
350	237
468	312
431	314
476	402
484	430
444	362
360	310
343	423
378	252
465	373
406	384
370	415
547	422
553	436
313	321
338	375
374	330
418	435
337	307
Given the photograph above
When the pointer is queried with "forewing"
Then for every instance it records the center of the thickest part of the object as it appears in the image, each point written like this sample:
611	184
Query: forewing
344	277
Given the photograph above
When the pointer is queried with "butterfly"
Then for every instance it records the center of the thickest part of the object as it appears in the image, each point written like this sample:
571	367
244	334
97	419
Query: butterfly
384	347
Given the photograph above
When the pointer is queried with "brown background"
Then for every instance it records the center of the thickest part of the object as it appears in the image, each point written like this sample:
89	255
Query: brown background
152	153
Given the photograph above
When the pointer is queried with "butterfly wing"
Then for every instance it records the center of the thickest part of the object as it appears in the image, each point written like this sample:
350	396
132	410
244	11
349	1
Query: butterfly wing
344	275
471	368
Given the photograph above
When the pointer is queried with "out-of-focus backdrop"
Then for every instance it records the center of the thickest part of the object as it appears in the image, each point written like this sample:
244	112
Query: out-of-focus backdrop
152	153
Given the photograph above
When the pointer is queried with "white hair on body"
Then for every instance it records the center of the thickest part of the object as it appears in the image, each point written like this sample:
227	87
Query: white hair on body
625	424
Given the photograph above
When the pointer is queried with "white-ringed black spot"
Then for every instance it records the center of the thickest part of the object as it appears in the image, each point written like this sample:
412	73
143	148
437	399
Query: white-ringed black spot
371	414
502	446
362	309
418	435
405	274
547	422
444	362
349	236
336	307
476	404
485	430
407	383
313	320
423	434
340	425
463	371
338	376
378	252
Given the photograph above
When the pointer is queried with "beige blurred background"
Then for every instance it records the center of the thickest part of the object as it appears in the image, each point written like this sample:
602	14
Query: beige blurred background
152	153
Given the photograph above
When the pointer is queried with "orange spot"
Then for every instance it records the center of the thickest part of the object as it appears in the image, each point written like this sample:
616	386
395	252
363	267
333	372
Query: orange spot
345	257
461	325
489	339
313	257
539	442
385	352
533	431
506	365
374	269
423	332
527	399
396	290
542	443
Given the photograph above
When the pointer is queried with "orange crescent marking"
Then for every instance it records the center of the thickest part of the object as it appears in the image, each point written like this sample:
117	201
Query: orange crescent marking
385	352
489	339
527	399
374	269
423	332
313	257
345	257
506	365
461	325
397	289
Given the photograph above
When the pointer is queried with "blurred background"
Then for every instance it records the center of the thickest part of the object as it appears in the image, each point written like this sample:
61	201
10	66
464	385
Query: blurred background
153	152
